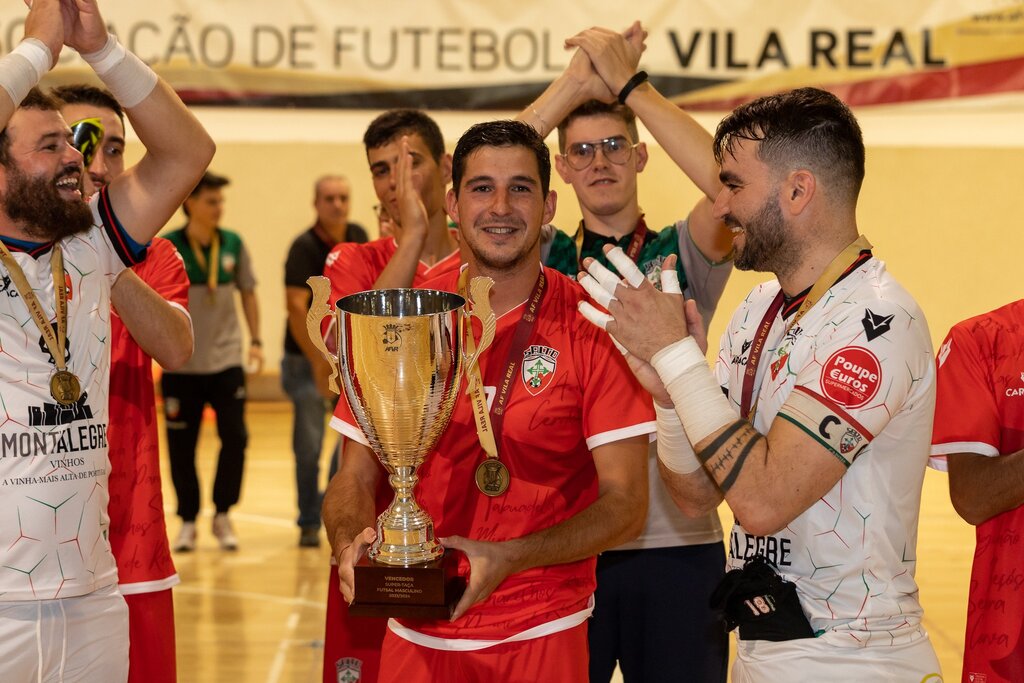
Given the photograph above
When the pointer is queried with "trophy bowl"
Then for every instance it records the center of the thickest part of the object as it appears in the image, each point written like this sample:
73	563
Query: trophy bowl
401	359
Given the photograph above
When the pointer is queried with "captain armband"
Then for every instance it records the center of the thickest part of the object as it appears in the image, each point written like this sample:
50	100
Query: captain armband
698	398
127	77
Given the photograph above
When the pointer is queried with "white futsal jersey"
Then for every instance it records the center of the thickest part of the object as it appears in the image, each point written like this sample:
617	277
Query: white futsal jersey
53	458
856	374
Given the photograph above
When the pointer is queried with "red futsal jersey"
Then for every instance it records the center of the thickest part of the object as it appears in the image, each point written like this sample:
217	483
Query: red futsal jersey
355	267
138	535
571	392
980	410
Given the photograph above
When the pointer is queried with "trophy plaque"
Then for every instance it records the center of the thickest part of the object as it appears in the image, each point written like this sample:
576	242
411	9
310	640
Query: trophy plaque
401	358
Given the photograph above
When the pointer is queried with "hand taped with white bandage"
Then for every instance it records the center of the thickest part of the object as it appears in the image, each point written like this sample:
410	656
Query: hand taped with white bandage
640	319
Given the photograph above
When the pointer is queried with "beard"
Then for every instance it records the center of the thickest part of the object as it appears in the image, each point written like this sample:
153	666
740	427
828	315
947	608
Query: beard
767	246
39	209
501	262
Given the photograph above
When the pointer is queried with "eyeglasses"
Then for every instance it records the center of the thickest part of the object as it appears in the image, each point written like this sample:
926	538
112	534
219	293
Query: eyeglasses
617	150
86	136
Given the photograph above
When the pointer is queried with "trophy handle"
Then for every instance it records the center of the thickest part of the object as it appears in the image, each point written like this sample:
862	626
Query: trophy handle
318	308
480	294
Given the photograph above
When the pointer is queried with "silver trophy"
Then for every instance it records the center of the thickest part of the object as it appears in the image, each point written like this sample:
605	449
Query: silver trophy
401	357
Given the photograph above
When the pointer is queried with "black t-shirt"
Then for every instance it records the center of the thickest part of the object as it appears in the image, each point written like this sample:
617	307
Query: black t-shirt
306	257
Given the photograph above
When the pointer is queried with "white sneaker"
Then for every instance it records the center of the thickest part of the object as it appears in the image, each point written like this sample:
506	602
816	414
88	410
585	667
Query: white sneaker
224	532
186	540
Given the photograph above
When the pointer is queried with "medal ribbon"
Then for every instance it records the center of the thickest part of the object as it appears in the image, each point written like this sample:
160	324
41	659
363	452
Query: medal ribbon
212	269
632	251
55	341
489	423
835	270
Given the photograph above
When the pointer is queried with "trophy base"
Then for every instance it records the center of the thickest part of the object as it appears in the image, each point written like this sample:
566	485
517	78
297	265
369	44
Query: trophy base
422	591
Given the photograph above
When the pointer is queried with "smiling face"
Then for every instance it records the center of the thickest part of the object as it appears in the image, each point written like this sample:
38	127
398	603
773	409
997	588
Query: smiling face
429	177
603	188
501	207
749	205
41	182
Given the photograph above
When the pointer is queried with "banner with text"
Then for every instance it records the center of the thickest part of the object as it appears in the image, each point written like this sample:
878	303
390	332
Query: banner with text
469	55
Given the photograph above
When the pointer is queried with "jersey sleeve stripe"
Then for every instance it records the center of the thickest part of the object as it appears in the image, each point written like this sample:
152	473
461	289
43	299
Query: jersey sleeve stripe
126	248
974	447
349	430
603	438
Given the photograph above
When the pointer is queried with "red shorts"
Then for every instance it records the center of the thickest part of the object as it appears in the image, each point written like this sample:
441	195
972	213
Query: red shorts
562	657
151	637
351	644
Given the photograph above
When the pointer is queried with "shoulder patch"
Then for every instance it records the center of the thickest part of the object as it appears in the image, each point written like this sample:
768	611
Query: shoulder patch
851	376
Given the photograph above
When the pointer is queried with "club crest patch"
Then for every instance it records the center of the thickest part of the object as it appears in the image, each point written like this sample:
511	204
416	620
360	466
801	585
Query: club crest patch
539	366
349	670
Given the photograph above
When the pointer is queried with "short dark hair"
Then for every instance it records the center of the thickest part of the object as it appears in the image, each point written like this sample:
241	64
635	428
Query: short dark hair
80	93
209	181
393	124
599	108
505	133
803	128
35	99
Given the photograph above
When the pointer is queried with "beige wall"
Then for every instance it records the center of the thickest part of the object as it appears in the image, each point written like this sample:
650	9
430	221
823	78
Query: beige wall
948	221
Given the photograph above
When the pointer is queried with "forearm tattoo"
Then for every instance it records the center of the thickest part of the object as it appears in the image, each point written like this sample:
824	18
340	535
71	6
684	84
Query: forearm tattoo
723	458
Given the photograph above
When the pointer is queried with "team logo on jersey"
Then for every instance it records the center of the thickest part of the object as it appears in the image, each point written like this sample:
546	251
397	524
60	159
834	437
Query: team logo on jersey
1019	391
876	325
778	364
851	376
349	669
331	258
7	288
539	365
746	345
227	263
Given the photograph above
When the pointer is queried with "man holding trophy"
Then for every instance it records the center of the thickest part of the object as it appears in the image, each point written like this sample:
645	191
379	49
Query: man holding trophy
543	462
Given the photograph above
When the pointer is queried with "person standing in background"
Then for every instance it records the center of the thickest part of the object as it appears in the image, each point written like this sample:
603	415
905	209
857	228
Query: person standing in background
304	371
218	265
150	321
979	438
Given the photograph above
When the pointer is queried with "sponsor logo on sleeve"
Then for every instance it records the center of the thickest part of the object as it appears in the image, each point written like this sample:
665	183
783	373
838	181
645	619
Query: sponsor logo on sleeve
1016	391
851	376
876	325
944	351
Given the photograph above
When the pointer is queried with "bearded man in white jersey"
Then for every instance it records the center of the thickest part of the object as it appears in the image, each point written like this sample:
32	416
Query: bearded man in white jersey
61	615
820	439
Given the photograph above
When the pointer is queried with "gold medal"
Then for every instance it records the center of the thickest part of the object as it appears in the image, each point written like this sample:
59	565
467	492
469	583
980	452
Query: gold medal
65	388
492	477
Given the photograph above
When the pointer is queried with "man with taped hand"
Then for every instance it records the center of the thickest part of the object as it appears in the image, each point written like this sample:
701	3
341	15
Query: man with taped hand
636	624
61	614
820	440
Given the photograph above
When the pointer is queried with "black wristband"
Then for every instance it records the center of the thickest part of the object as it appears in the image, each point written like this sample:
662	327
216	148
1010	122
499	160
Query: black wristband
638	78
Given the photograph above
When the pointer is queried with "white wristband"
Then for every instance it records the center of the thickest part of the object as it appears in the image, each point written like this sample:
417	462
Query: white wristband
24	67
674	449
126	76
699	401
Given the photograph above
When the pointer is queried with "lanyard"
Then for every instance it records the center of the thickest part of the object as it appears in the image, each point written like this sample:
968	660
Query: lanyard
197	252
55	341
835	270
632	251
489	424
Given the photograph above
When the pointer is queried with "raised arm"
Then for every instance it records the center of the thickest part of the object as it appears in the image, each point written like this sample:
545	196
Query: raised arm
615	517
178	149
579	83
33	57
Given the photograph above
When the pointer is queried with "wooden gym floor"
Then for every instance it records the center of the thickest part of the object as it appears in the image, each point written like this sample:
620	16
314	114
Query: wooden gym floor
257	615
